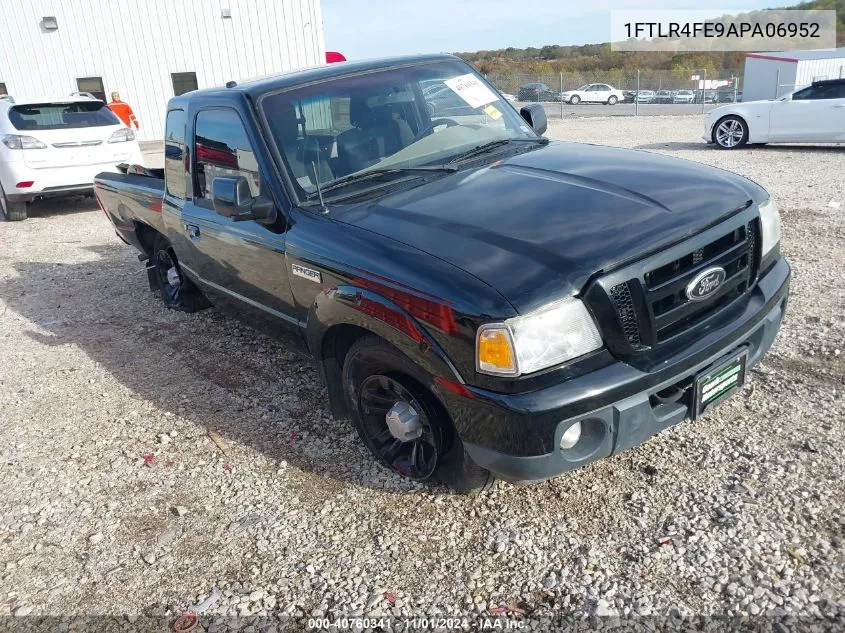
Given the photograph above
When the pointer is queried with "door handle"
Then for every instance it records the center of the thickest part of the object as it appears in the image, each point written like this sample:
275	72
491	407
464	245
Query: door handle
193	231
840	105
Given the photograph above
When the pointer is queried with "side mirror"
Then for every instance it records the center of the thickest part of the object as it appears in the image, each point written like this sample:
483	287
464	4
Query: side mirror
535	116
232	198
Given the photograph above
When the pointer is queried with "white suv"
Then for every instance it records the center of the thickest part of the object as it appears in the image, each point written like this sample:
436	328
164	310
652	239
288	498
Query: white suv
55	148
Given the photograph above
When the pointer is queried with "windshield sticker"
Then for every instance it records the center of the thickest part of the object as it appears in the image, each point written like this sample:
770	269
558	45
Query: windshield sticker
492	112
471	90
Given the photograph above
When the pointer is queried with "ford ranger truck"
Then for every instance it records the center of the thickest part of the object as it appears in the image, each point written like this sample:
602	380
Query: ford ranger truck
481	302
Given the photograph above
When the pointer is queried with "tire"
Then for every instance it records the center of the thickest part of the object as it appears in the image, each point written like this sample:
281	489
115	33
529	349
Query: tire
13	211
730	132
177	291
612	100
574	100
377	378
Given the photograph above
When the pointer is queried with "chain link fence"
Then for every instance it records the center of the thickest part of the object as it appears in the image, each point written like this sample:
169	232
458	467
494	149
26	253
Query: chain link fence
679	88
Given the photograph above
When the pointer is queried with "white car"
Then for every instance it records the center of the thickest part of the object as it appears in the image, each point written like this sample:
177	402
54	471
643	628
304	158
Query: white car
55	148
815	114
593	93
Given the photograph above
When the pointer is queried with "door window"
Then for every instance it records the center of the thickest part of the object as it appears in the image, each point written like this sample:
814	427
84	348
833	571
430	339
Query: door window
222	149
821	91
174	154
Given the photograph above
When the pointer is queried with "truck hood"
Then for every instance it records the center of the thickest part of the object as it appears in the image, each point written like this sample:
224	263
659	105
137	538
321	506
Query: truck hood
537	225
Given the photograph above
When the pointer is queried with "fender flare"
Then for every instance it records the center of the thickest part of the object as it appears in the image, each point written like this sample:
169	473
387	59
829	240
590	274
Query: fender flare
348	305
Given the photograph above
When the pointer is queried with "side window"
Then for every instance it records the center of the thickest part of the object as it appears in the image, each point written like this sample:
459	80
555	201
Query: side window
3	89
824	91
604	88
222	149
174	154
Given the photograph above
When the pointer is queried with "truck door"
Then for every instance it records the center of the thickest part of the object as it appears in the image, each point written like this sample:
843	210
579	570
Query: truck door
240	264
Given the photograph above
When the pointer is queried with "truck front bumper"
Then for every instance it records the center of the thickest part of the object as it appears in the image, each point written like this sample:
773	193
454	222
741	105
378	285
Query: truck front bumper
617	405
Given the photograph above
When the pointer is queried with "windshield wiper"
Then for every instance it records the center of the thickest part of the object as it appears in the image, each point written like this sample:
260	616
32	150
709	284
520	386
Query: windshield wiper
373	173
486	147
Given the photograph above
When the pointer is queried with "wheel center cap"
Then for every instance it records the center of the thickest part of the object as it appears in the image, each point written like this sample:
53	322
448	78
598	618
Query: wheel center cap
403	422
173	277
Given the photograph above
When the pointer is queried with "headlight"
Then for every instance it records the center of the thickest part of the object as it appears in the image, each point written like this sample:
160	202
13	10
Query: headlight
122	135
547	337
770	224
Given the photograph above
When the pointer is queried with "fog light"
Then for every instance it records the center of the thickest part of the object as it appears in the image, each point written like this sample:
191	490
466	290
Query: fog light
571	436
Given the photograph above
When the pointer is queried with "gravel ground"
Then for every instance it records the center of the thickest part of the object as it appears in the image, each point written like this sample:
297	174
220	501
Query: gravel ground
150	455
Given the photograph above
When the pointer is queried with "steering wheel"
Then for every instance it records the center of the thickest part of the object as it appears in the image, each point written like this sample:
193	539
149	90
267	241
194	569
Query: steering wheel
435	123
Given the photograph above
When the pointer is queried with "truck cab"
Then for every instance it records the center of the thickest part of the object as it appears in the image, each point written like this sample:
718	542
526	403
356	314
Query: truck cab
480	302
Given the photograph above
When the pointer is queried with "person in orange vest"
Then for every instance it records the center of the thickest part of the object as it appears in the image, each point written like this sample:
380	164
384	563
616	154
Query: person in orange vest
123	111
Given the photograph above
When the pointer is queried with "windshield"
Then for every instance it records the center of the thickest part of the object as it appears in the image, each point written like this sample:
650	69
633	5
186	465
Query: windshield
57	116
401	117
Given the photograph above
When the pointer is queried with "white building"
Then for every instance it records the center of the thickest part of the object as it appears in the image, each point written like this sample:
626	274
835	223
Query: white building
150	50
770	75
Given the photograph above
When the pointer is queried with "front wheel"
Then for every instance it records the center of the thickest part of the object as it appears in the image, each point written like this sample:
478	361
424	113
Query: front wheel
401	423
574	99
177	291
612	99
730	132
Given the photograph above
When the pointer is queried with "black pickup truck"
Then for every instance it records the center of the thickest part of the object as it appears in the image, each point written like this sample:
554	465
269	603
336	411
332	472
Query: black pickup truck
481	302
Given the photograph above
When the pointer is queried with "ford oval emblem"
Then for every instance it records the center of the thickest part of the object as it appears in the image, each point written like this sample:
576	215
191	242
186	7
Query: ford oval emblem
705	283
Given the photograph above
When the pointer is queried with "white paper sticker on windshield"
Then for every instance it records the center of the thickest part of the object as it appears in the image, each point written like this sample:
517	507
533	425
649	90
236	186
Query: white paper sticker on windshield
471	90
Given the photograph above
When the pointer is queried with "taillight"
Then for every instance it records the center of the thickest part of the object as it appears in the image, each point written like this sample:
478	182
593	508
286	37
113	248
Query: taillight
18	141
121	136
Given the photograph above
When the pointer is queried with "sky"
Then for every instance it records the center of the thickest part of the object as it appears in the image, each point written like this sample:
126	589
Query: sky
378	28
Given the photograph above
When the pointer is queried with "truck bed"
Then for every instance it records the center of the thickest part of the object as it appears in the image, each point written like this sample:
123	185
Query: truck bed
131	199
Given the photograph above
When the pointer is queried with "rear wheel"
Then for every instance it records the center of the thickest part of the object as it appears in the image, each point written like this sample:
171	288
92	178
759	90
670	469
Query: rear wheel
401	422
12	211
574	99
730	132
177	291
612	99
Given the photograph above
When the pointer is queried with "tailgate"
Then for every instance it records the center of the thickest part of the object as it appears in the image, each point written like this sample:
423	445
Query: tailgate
76	148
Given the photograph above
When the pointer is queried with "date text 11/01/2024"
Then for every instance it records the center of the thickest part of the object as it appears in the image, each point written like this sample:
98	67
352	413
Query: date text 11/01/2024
486	623
717	29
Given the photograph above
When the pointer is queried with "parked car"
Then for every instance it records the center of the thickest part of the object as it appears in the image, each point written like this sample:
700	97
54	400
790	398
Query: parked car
815	114
683	96
509	97
463	339
536	92
55	148
593	93
663	96
726	96
628	96
707	96
645	96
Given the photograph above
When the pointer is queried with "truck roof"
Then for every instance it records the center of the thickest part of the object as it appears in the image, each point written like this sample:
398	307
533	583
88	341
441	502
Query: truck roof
300	76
